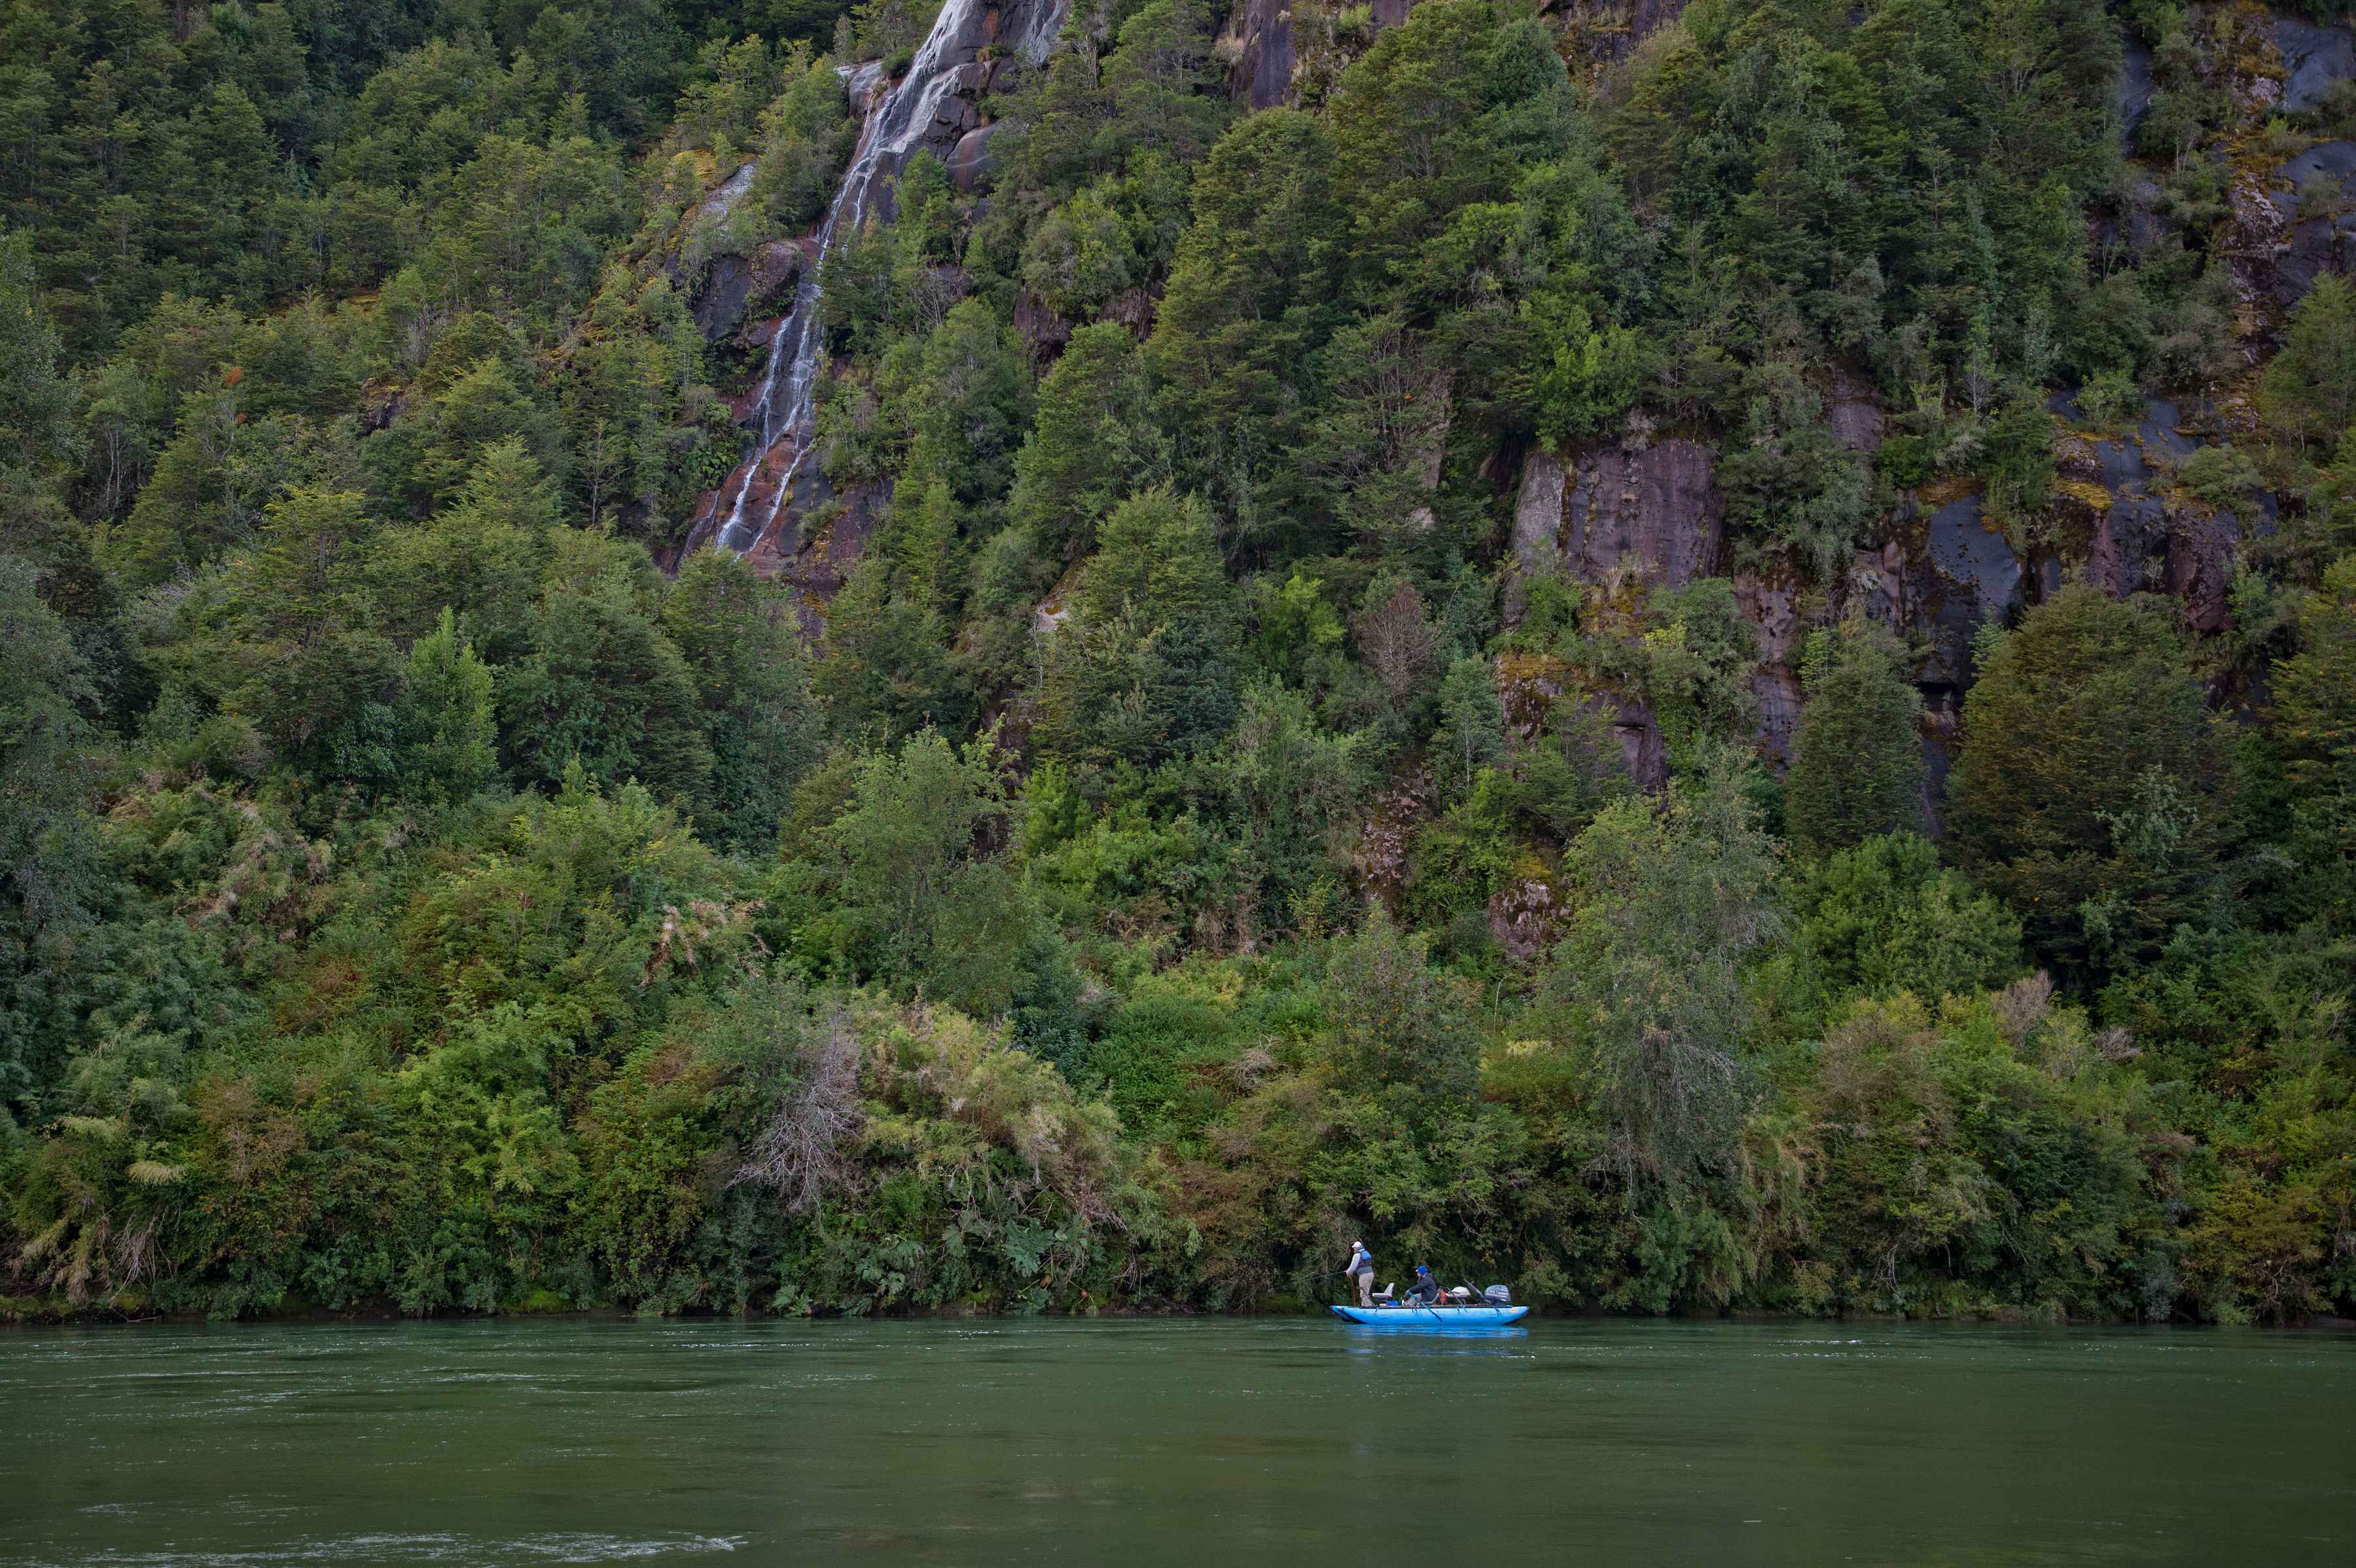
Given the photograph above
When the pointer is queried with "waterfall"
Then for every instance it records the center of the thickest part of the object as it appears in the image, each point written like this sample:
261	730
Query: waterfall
893	128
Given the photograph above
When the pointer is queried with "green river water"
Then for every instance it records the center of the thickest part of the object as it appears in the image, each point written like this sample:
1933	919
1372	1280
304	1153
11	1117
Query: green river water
1297	1442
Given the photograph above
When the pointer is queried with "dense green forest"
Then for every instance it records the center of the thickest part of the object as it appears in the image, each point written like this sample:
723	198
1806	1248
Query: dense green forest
1694	662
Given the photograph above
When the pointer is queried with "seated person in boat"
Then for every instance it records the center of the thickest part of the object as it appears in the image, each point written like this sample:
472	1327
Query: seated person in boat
1425	1292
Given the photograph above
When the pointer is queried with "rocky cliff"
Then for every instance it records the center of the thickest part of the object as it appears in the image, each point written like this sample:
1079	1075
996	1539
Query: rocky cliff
1635	512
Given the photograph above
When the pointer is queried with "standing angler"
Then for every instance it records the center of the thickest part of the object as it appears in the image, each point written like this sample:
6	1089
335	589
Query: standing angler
1361	1271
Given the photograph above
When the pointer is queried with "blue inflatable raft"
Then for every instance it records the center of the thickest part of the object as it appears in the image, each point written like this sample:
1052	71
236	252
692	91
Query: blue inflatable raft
1433	1316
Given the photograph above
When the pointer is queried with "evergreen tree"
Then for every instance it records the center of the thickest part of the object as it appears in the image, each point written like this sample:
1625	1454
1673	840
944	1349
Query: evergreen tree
1857	757
480	557
1402	1028
2088	793
298	654
1883	919
48	861
741	642
1090	444
448	737
1142	668
602	688
1645	990
2314	721
2310	391
1246	308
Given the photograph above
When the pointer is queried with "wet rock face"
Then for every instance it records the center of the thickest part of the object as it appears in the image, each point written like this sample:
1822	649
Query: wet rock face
1659	509
2313	58
720	304
2315	237
1661	506
2135	87
733	284
1967	576
817	567
2110	484
1855	413
1608	30
2144	538
1263	74
2201	547
971	163
2128	541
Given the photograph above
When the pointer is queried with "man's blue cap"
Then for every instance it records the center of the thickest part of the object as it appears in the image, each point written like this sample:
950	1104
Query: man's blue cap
1421	1269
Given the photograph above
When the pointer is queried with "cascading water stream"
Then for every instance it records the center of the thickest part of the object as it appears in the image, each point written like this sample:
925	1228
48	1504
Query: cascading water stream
893	127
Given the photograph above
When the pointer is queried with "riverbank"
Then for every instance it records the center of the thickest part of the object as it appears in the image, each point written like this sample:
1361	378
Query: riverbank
18	1312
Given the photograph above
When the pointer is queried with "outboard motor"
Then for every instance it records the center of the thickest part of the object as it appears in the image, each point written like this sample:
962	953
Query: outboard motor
1497	1296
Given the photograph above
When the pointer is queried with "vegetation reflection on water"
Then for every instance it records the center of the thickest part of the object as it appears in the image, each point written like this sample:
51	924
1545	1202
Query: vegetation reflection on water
1150	1441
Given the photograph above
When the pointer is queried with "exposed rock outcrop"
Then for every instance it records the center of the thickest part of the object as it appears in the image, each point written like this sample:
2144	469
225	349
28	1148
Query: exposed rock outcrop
1135	309
2255	237
2314	57
1523	917
2141	536
818	566
1876	587
2108	485
1263	71
2135	87
1770	601
734	286
971	163
1046	331
1966	576
2317	203
2200	549
1658	510
1855	413
1597	33
715	208
1642	749
1266	48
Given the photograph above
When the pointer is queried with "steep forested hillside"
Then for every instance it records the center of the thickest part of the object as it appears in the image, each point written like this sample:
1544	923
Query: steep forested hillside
1692	659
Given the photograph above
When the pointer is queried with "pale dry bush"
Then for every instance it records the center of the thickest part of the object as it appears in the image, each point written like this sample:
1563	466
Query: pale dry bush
2023	1005
806	1150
